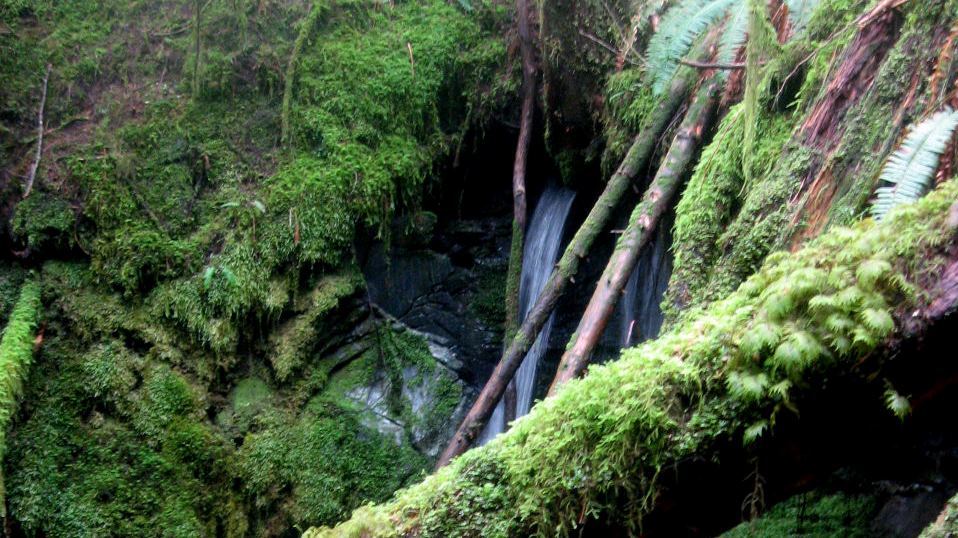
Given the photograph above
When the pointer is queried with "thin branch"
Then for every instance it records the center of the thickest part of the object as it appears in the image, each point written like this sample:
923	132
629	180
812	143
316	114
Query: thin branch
36	161
615	52
708	65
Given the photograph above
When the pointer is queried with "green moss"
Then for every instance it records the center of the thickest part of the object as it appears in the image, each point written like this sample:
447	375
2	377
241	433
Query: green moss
597	447
814	515
294	340
94	458
725	226
44	222
946	524
16	355
489	303
330	462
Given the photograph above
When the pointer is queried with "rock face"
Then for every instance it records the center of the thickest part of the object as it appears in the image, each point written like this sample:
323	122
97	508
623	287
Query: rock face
445	288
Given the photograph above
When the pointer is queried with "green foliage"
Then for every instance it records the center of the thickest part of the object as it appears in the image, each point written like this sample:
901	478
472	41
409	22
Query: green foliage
330	461
293	341
911	169
813	515
16	354
679	28
597	446
799	13
897	403
115	445
44	222
734	33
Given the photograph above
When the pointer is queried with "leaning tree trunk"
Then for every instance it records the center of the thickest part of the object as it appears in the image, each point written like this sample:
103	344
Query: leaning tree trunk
642	225
514	277
634	161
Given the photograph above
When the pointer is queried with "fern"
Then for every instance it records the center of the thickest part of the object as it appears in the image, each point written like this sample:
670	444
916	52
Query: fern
733	38
909	170
679	28
799	13
896	403
16	354
753	432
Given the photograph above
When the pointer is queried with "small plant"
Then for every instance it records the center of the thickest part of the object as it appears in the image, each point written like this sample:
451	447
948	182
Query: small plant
909	170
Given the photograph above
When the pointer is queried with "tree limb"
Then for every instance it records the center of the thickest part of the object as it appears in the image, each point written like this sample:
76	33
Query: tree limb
32	174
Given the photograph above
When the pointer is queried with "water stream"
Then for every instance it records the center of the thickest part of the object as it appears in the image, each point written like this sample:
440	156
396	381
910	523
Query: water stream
543	238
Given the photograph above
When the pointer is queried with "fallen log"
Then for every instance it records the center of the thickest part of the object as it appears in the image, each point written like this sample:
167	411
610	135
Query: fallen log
642	224
597	454
635	160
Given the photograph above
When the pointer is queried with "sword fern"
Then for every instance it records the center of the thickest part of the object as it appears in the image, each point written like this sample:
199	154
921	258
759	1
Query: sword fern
909	171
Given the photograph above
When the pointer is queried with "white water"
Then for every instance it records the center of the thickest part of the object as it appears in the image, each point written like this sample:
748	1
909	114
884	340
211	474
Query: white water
641	315
539	256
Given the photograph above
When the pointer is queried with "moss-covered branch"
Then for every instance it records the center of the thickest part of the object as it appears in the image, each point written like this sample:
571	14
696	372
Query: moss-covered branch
16	353
595	451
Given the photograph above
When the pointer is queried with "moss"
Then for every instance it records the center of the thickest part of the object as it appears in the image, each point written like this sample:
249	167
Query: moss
11	279
597	447
489	303
16	355
329	460
44	222
947	522
293	341
815	515
725	226
94	458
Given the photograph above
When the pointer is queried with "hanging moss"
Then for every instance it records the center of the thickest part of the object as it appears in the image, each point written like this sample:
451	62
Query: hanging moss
596	448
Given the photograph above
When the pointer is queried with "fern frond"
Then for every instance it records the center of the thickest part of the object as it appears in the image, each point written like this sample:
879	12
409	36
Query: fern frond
753	432
733	38
910	170
896	403
799	13
679	28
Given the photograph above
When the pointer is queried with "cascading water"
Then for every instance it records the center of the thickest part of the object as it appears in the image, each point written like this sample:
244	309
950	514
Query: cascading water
539	256
641	315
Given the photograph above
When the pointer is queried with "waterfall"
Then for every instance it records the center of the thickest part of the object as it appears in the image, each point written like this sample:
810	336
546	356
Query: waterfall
641	315
539	256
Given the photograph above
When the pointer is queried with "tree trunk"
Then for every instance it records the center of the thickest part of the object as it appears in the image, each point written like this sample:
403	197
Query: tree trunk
634	161
642	223
514	277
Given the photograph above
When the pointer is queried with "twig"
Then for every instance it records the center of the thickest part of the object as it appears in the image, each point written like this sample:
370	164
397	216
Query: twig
708	65
605	45
412	61
36	161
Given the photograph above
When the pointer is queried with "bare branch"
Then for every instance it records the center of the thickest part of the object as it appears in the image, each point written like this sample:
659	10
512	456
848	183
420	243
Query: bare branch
32	175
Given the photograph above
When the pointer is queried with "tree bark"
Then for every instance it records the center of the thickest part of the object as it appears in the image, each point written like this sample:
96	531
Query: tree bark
32	174
634	161
658	198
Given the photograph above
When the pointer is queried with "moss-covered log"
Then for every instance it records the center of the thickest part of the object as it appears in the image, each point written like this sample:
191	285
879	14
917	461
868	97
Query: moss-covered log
16	353
594	454
637	157
642	224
